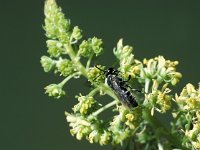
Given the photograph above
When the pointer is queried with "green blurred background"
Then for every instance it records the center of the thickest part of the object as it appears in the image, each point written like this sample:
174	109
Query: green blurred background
29	119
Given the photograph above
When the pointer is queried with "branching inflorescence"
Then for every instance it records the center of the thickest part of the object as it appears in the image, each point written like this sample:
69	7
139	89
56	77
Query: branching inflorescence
154	77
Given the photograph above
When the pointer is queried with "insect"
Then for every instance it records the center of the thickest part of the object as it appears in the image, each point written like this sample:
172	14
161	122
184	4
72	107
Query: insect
119	86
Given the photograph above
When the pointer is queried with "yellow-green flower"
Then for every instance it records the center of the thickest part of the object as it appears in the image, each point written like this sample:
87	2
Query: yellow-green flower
95	75
55	48
159	99
105	138
76	34
91	46
160	69
97	46
128	65
56	25
47	63
194	135
54	90
94	136
86	105
65	67
189	98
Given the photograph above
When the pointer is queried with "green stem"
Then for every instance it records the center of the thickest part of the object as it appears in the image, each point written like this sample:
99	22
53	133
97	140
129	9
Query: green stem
146	90
93	92
104	108
68	78
147	83
76	60
89	61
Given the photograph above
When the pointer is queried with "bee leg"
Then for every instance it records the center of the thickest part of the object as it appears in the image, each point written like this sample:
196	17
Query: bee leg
136	90
129	77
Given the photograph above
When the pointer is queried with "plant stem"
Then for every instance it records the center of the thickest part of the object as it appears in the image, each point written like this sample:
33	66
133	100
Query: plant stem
93	92
147	83
146	90
68	78
104	108
89	62
75	60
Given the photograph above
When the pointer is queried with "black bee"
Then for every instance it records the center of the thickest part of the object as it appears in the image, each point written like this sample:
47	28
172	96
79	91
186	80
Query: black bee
119	86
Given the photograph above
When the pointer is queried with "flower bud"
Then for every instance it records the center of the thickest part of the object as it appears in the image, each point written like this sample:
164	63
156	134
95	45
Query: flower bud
54	48
47	63
94	136
86	105
85	49
76	33
54	90
65	67
94	75
105	138
56	25
97	45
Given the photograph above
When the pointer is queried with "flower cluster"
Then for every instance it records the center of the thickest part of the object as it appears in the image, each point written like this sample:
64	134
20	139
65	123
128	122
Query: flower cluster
159	99
124	124
54	90
90	47
194	135
121	128
189	98
153	77
55	48
47	63
160	69
157	74
84	124
86	105
61	37
128	65
56	25
65	67
188	116
76	35
82	127
95	75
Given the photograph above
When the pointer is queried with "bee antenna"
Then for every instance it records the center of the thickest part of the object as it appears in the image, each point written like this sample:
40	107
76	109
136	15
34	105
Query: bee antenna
100	69
97	77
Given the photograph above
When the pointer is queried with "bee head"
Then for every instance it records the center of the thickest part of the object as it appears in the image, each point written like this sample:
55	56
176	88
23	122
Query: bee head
111	71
